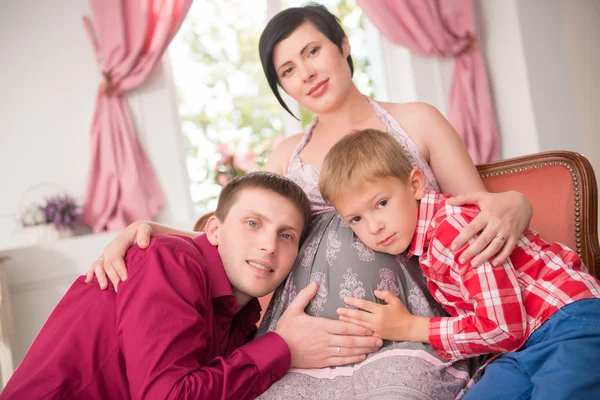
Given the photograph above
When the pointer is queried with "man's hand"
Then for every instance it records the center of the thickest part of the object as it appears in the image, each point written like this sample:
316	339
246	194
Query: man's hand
390	321
318	342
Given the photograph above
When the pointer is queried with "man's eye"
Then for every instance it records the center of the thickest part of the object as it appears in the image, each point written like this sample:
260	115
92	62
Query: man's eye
252	224
382	203
287	236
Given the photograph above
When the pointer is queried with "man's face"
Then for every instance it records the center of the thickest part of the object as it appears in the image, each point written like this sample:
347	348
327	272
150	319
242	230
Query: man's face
258	241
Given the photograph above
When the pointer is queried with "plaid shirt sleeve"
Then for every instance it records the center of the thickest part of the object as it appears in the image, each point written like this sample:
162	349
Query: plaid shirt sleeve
486	301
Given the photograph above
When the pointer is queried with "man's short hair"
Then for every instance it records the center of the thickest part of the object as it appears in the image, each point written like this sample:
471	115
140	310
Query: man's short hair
360	157
260	180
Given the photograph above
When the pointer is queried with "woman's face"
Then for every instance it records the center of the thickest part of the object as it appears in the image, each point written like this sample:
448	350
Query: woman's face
312	70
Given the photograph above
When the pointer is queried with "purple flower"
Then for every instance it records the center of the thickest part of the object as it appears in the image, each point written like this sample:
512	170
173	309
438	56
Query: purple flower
61	210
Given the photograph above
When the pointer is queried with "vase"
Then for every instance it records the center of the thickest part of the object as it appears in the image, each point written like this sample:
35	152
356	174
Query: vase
45	233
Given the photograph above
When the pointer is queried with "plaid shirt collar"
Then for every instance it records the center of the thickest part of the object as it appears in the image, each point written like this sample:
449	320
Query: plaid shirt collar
428	207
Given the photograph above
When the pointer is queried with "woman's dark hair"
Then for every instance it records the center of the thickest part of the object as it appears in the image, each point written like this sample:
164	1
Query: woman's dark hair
282	25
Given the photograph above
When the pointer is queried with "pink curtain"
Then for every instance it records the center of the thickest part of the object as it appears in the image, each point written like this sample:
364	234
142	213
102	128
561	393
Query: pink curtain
445	28
129	38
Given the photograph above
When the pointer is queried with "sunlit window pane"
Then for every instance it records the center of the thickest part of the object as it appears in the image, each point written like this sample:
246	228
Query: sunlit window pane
230	118
224	100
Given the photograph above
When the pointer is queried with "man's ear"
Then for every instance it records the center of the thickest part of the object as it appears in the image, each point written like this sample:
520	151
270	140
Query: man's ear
345	46
416	181
212	229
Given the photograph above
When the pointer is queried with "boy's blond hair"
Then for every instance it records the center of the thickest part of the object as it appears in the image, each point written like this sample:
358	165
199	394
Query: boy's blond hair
362	156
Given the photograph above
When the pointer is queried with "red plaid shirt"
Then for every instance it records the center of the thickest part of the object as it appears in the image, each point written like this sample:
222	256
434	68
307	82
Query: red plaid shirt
492	308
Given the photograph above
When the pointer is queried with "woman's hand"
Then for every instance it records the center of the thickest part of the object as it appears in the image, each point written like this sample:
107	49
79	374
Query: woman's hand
503	218
112	262
390	321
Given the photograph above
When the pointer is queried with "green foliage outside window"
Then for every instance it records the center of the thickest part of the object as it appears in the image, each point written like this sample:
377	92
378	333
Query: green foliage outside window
230	119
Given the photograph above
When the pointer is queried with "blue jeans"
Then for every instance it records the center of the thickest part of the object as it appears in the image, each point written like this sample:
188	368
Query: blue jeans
560	360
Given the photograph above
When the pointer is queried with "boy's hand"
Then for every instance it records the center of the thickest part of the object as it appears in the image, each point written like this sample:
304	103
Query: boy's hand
390	321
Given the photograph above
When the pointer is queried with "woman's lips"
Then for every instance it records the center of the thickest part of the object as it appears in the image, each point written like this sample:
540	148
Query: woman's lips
319	88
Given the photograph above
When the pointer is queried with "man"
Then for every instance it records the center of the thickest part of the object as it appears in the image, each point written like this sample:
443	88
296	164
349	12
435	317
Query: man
180	326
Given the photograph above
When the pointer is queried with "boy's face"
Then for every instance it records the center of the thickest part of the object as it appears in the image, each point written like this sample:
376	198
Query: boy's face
383	212
258	241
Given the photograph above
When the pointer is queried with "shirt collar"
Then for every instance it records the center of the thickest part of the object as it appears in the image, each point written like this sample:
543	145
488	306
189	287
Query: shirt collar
428	206
217	278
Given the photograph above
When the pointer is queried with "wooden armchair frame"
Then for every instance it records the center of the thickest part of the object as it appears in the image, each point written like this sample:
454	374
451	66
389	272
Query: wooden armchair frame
499	175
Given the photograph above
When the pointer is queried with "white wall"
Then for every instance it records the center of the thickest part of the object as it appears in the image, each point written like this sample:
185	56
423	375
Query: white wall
548	72
526	61
581	27
48	82
499	36
543	63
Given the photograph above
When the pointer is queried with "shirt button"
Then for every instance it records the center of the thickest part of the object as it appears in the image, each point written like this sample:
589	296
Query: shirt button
230	304
224	325
273	377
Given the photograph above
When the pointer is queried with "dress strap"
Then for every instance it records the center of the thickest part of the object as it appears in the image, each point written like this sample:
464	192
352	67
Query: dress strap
305	138
294	159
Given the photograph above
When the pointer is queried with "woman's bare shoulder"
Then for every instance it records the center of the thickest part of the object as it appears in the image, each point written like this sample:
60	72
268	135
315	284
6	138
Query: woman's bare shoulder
413	111
280	157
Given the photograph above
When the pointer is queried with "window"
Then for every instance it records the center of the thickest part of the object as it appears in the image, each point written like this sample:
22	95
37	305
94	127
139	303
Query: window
230	119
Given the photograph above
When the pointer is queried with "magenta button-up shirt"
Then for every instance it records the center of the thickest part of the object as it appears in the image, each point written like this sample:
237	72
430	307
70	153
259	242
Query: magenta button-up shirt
170	333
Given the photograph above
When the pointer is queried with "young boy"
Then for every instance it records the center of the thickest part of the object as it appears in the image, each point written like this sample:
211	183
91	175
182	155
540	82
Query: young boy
180	326
540	302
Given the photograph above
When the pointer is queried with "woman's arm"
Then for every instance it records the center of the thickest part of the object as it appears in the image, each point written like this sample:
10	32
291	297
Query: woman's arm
280	158
504	215
441	146
112	264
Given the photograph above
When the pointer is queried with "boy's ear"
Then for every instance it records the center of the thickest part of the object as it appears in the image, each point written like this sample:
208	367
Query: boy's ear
416	181
212	229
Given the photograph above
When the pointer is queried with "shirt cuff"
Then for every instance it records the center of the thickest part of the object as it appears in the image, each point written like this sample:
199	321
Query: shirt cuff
435	337
272	357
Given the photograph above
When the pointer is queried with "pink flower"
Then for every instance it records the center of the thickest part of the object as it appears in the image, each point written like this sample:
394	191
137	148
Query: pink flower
223	149
245	161
222	179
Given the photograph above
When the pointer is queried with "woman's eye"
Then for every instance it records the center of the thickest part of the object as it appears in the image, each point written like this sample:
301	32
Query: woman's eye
287	72
355	220
382	204
314	51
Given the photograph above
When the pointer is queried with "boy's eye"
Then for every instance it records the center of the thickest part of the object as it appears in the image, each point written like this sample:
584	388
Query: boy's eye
355	220
382	204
